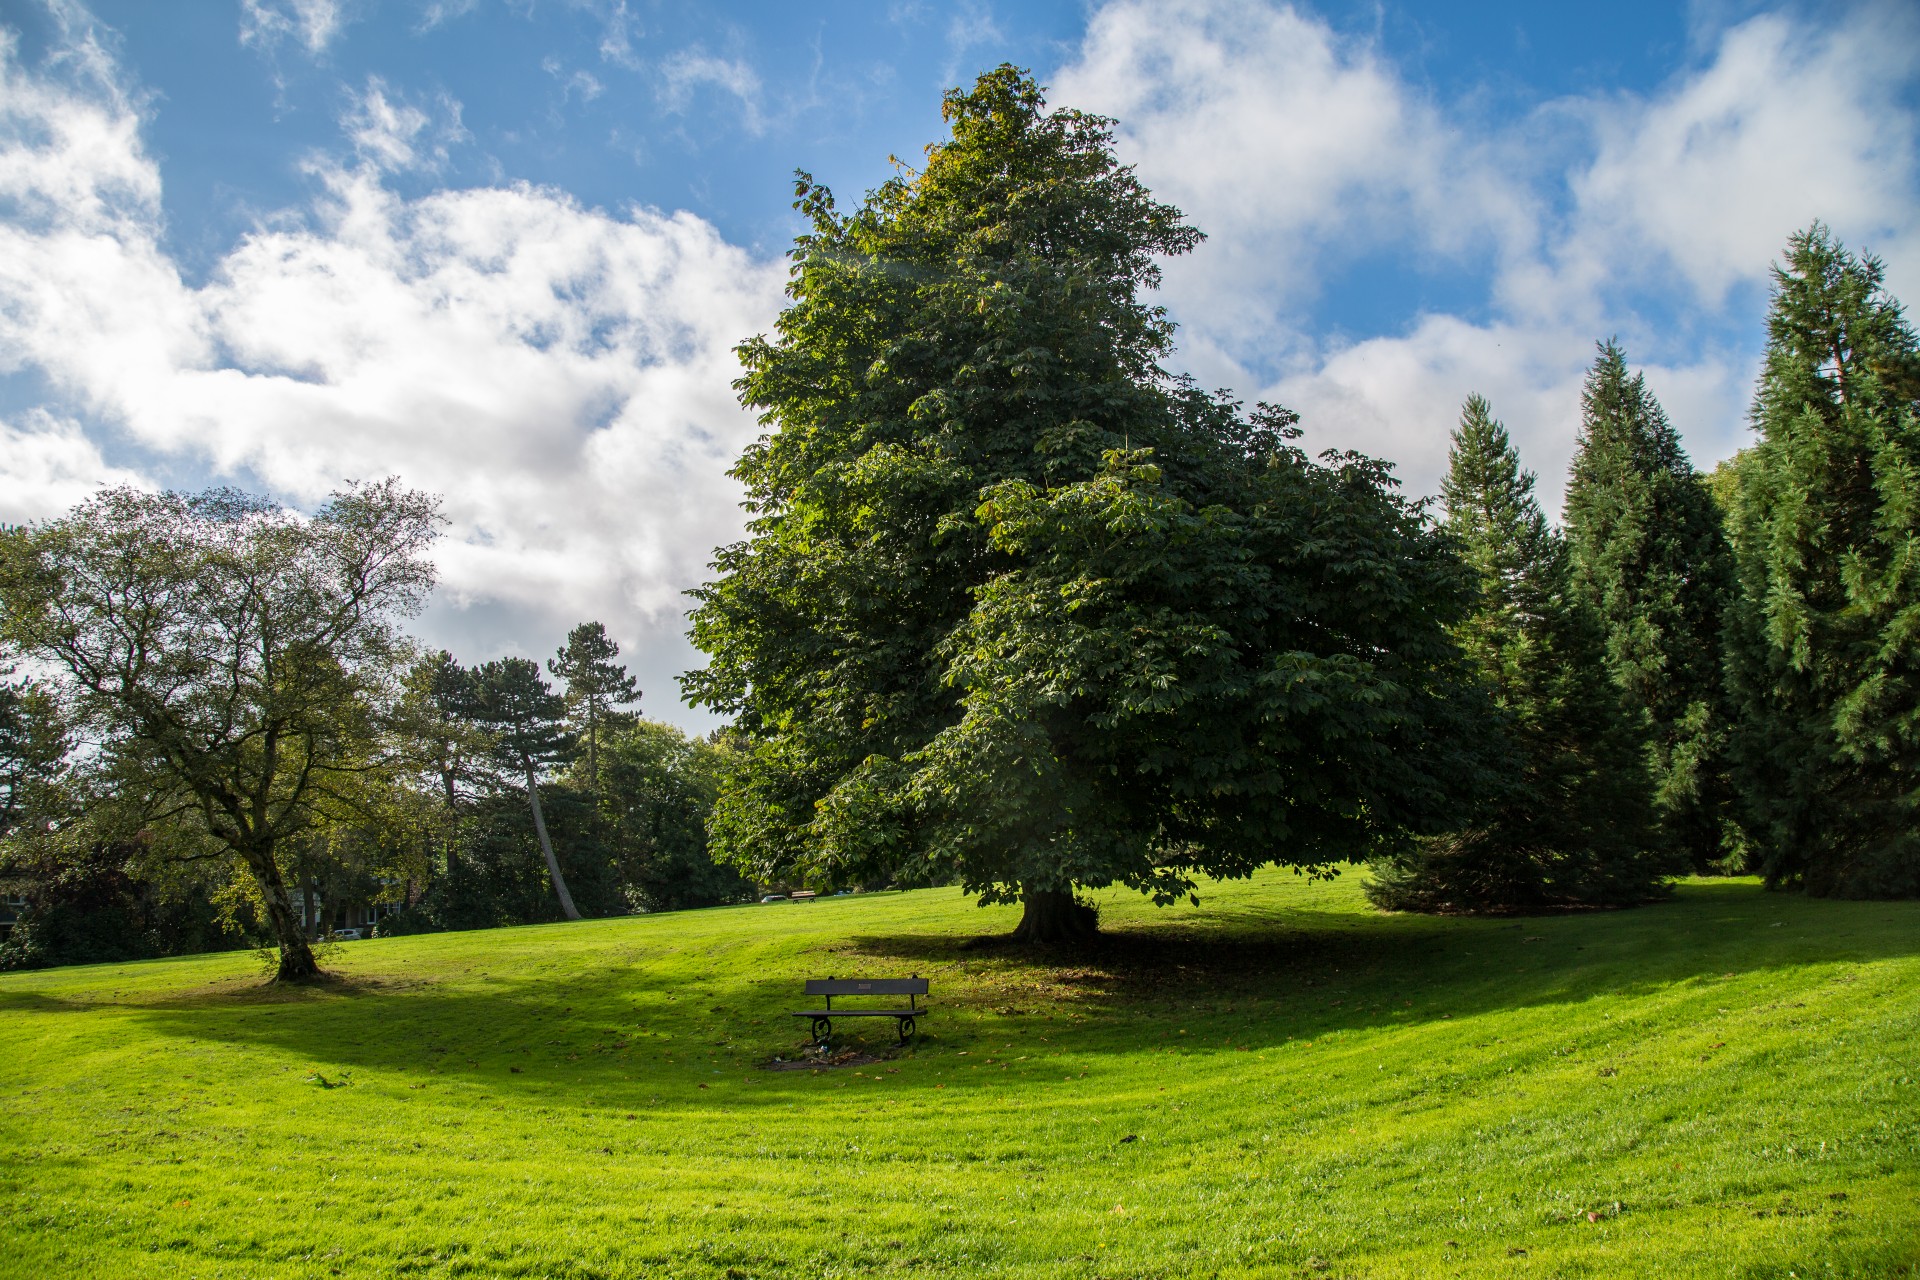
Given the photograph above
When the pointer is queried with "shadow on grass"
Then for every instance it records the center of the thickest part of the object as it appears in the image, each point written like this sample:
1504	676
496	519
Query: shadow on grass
628	1033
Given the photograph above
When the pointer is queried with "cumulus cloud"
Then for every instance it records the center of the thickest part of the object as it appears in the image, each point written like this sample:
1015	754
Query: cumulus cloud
560	374
1302	151
1294	148
47	465
1789	122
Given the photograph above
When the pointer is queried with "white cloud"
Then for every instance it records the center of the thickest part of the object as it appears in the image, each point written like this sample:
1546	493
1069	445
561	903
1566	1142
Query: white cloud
1789	122
616	38
384	131
1302	151
1294	148
690	70
437	13
561	374
312	24
47	465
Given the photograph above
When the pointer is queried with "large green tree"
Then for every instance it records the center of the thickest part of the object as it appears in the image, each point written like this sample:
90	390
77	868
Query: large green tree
1019	609
232	660
1570	823
1650	558
1825	651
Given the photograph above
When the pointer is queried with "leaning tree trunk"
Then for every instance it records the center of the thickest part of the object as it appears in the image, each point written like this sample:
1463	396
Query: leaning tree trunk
546	848
1052	915
296	957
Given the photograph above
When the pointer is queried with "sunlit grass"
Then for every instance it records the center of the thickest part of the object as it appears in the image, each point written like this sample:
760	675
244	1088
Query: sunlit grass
1723	1085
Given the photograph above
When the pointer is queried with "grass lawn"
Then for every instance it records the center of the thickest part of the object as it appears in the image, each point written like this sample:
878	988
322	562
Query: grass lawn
1281	1082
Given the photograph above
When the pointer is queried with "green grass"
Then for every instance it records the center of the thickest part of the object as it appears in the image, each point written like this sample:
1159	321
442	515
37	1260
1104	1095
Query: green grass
1726	1084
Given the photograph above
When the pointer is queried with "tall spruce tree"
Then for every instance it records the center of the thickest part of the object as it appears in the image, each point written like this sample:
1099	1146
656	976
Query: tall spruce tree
1019	609
1824	659
1650	558
1571	823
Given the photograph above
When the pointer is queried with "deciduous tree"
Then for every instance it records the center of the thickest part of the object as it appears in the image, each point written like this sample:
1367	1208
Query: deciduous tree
1017	607
232	659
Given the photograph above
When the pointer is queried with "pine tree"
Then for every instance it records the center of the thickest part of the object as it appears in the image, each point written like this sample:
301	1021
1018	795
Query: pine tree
597	686
1650	558
1572	824
527	721
1824	656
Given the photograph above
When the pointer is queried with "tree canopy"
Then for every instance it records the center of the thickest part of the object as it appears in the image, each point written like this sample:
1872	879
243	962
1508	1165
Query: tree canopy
1018	607
230	657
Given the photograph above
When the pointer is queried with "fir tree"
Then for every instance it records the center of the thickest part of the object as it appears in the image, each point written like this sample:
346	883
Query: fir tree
1824	658
1572	824
1649	557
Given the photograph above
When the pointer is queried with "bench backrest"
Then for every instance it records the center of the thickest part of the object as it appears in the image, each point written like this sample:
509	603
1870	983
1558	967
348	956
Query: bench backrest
866	986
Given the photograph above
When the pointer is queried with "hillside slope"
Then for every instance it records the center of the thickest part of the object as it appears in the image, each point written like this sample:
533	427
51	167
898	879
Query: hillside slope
1281	1082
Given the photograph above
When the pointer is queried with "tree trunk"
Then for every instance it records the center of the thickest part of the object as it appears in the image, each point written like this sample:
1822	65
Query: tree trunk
1052	915
296	957
593	750
453	822
546	848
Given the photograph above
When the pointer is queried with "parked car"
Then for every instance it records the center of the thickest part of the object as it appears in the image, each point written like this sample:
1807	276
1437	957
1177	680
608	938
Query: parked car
349	935
774	897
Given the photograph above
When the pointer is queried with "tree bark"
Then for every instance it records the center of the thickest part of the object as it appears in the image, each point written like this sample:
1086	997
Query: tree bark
1052	915
296	957
546	848
453	823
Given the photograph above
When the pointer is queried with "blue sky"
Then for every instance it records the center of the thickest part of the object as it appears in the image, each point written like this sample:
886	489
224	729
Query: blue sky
503	247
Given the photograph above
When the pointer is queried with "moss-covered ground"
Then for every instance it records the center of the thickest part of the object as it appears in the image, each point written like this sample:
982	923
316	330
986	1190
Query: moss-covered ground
1281	1082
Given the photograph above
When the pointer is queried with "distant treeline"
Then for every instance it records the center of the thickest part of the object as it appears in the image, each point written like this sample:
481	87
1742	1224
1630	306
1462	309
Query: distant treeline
451	845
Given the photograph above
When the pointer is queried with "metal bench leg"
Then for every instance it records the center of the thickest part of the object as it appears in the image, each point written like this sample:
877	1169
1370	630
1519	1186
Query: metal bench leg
906	1029
822	1028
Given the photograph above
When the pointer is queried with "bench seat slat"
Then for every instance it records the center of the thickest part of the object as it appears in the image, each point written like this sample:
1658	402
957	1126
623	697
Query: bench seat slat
860	1013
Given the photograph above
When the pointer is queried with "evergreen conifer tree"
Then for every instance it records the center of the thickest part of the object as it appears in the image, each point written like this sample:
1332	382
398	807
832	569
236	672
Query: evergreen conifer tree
527	721
1649	557
1824	655
597	686
1572	822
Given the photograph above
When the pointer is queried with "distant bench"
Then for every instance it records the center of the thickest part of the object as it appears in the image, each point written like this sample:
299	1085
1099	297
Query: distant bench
911	988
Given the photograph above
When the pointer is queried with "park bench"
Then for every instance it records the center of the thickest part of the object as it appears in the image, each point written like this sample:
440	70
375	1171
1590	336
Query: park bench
822	1019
